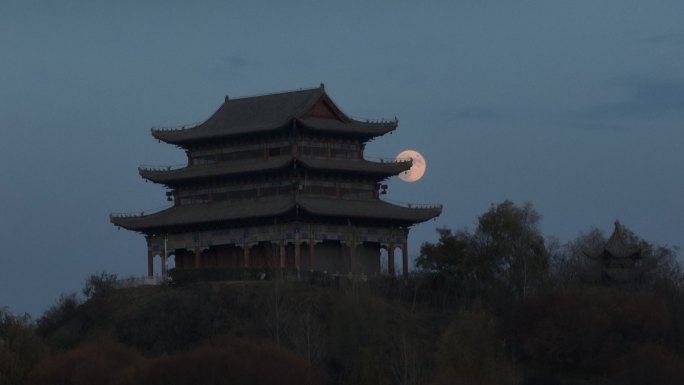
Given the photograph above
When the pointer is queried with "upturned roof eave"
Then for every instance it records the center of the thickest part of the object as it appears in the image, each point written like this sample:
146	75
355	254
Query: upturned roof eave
189	136
353	128
185	174
222	212
368	209
206	213
362	166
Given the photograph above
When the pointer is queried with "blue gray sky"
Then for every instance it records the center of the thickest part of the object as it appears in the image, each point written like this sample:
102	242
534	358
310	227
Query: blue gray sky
576	106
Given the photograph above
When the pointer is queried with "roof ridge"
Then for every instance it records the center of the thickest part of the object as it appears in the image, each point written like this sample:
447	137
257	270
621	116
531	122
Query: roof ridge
228	99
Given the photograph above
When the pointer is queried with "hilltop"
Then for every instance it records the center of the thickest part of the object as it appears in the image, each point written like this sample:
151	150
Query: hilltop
500	304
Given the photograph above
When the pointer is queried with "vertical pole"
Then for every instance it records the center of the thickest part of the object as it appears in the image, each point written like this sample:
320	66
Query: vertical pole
245	253
390	260
312	255
150	263
404	257
198	254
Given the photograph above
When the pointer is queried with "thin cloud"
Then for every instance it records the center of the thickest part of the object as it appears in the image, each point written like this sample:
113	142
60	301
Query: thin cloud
472	114
234	61
643	99
673	38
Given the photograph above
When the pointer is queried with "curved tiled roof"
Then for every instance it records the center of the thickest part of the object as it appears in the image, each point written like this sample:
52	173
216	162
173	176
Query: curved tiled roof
615	247
352	127
355	165
214	170
370	209
362	166
206	213
216	212
257	114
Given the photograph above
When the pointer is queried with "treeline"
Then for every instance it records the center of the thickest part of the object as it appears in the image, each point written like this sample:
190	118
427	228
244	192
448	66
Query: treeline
530	310
497	304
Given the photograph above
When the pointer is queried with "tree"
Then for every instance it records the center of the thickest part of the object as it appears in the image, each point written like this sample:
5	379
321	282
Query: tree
307	332
94	362
509	237
455	267
507	250
587	329
59	324
569	264
471	352
99	284
20	348
658	264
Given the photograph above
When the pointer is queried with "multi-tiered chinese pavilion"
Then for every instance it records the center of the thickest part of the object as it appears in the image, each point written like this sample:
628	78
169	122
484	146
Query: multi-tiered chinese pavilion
278	181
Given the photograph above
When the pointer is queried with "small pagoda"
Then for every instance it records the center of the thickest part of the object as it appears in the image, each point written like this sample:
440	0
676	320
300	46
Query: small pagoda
618	260
278	181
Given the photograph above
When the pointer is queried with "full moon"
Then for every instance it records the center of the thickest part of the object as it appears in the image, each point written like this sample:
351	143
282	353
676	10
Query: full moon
417	168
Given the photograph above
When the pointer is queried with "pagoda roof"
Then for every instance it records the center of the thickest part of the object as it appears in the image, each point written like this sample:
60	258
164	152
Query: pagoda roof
370	209
226	211
312	108
358	166
354	127
170	175
617	247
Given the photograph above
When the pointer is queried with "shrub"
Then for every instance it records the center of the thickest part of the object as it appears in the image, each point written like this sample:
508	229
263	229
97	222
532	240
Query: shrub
224	361
471	352
91	363
178	320
20	348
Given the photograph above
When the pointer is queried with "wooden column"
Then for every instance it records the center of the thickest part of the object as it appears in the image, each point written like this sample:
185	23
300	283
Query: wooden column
150	263
198	255
404	258
297	252
165	264
379	261
245	254
282	254
312	255
390	260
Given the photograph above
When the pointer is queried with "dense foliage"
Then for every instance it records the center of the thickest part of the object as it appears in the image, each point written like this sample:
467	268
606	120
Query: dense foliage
499	304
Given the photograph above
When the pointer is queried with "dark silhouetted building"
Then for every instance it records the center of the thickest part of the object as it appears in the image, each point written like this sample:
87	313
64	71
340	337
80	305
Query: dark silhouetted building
278	181
618	260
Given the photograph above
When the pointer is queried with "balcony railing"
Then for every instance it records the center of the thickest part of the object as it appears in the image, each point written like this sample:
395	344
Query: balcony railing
175	128
375	120
424	206
139	281
146	167
135	214
387	160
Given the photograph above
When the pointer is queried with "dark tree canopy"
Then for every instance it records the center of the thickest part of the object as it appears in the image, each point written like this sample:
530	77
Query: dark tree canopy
507	250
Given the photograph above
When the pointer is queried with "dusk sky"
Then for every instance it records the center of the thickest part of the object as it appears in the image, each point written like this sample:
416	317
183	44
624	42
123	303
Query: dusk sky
575	106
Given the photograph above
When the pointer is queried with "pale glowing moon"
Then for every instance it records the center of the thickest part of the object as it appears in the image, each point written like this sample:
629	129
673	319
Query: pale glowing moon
417	168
